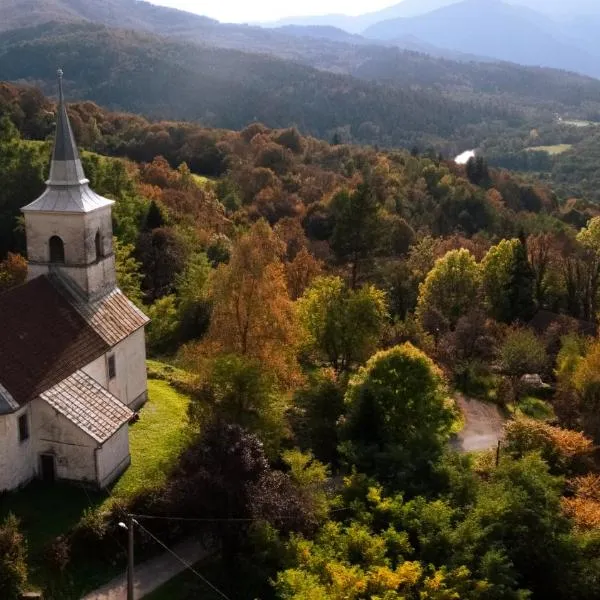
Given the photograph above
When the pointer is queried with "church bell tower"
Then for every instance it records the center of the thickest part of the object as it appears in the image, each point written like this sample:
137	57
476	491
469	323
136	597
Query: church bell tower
69	227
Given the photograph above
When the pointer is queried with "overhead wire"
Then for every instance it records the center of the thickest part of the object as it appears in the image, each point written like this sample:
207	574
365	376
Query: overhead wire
183	562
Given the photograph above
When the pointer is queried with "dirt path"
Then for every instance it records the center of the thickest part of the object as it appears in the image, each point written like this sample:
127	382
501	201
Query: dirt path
152	574
484	425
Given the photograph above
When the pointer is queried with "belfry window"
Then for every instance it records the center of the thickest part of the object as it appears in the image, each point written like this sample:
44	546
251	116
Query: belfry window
98	244
57	250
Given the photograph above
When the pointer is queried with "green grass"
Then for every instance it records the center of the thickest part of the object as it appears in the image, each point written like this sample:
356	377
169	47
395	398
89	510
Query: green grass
535	408
46	512
552	150
155	440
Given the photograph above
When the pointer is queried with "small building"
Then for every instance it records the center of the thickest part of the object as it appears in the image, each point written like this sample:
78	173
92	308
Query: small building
72	346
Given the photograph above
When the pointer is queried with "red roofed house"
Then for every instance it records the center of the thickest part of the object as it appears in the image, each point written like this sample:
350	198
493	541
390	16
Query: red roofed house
72	346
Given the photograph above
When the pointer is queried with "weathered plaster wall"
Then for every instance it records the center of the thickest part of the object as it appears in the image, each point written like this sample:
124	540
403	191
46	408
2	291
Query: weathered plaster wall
131	380
130	383
113	458
78	233
73	449
17	459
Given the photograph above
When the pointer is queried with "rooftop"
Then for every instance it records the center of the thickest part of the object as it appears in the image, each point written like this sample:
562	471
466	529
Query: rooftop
59	335
88	405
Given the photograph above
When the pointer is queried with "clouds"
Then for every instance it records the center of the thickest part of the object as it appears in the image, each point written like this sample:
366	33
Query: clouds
241	11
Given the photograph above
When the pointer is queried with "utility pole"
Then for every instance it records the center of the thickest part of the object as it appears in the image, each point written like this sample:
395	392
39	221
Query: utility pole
130	546
130	565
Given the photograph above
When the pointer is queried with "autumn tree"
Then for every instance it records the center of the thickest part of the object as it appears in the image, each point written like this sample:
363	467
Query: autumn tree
342	325
13	271
586	381
253	315
398	417
589	238
450	290
301	272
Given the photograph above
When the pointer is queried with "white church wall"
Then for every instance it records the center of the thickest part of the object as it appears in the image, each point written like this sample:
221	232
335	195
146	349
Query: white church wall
73	449
130	384
113	457
17	459
98	371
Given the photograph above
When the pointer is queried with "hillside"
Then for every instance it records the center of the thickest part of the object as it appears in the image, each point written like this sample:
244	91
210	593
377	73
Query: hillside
173	80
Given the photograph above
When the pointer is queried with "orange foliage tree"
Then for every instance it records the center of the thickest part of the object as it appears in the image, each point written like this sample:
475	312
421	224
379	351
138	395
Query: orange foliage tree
253	314
584	506
563	449
13	271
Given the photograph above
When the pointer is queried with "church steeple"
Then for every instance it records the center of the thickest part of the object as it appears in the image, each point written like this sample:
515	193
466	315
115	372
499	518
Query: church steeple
67	187
66	167
69	227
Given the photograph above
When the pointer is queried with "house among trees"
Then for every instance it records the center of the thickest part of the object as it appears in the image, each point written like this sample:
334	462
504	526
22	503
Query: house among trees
72	346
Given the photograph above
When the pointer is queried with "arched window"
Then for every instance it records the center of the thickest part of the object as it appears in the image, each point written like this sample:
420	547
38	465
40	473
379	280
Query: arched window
98	244
57	250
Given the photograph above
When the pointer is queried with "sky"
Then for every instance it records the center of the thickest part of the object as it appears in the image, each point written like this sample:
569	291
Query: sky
252	11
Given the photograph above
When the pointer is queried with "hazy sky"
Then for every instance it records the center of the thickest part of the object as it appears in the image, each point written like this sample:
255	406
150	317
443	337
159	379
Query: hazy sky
241	11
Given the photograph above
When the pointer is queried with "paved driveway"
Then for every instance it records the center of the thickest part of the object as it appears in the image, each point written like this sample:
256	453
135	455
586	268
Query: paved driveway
152	574
484	425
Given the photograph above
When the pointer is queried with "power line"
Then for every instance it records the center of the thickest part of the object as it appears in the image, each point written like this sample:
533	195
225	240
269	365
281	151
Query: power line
224	519
183	562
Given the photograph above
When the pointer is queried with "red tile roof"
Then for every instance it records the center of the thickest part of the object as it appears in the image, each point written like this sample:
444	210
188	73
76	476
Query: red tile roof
88	405
43	340
47	334
113	317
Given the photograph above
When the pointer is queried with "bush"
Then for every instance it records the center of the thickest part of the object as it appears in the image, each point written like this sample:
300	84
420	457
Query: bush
562	449
13	559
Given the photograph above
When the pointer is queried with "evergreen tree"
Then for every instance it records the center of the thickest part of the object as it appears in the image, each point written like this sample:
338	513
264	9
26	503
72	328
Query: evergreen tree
358	226
154	217
520	287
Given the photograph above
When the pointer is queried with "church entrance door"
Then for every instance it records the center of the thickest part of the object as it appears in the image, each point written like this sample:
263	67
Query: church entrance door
48	468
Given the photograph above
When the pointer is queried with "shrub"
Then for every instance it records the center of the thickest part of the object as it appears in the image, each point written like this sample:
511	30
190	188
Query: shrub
13	559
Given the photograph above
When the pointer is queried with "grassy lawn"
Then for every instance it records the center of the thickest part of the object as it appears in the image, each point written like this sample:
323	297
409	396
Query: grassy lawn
552	150
535	408
155	440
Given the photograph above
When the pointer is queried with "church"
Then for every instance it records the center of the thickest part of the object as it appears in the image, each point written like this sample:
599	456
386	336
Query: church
72	346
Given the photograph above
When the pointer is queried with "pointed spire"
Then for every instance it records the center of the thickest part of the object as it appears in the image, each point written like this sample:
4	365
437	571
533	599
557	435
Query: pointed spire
66	168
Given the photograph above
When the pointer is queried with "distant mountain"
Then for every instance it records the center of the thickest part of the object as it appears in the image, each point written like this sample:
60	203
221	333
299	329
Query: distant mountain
499	30
165	79
407	8
414	8
324	32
